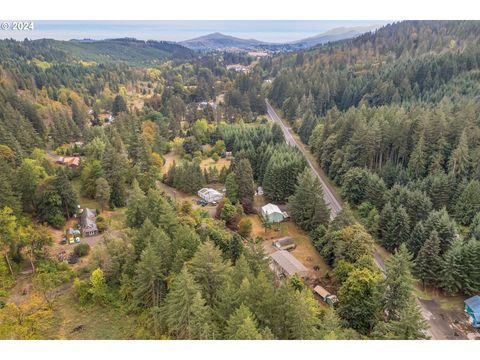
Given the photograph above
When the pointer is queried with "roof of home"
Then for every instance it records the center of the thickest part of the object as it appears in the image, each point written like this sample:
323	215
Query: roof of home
321	291
288	262
209	191
88	220
271	208
474	303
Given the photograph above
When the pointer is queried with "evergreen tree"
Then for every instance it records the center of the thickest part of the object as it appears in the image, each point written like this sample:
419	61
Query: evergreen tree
468	203
231	188
244	180
307	206
209	271
119	105
182	308
398	284
429	263
242	325
149	282
137	206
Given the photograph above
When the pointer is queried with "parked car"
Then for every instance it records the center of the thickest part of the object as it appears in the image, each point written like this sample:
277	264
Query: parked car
63	241
202	202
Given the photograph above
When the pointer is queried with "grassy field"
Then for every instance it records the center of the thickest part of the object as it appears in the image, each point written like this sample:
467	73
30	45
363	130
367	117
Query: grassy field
83	201
92	322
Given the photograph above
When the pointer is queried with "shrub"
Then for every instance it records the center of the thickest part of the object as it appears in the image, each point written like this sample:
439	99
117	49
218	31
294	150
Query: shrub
215	157
245	228
81	250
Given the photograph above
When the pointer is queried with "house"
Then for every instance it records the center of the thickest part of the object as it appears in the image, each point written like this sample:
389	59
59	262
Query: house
325	295
472	308
88	222
259	191
284	243
285	264
60	160
273	213
73	162
210	195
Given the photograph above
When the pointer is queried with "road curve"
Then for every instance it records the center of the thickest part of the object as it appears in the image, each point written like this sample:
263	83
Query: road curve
328	196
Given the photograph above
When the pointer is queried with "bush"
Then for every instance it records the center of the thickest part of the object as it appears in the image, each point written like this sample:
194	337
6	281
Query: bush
101	224
57	221
81	250
245	228
215	157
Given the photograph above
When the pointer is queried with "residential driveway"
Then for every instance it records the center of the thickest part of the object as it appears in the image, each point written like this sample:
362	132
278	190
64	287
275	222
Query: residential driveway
439	321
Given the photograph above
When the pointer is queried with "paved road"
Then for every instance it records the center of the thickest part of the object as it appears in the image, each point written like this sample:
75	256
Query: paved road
328	195
438	327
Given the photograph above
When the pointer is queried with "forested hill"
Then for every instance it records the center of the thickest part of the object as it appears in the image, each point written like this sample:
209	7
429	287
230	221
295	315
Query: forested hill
402	62
126	50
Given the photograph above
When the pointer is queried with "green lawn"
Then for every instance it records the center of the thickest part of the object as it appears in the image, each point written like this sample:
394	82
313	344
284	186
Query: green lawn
83	201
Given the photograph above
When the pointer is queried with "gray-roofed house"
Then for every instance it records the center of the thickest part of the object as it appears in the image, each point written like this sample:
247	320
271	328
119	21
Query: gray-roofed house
273	213
88	222
285	264
284	243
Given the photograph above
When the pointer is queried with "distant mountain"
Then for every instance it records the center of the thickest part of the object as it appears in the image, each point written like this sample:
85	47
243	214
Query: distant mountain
340	33
219	41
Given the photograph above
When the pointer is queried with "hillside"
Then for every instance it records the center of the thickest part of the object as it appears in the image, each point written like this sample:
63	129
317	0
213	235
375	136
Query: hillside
129	51
217	41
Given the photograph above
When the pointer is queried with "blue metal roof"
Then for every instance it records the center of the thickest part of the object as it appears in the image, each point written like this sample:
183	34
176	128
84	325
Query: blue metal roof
474	303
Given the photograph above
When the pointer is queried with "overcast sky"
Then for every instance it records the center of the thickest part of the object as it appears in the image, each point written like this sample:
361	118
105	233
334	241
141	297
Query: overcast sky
271	31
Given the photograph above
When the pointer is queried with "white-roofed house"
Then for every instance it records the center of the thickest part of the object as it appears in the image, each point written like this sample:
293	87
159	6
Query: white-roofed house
210	195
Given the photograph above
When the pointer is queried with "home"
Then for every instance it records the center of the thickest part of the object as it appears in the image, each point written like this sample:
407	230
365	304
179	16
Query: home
472	308
88	222
73	162
284	243
325	295
273	214
210	195
285	264
259	191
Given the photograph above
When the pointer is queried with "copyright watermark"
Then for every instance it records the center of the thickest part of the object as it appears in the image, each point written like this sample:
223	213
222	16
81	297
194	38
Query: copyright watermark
17	25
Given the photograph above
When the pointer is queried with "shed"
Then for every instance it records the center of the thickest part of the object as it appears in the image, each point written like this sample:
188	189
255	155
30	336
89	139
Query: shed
210	195
472	308
284	243
321	291
273	213
285	264
88	222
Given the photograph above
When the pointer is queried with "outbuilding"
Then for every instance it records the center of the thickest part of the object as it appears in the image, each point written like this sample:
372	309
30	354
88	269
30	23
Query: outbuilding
286	265
273	214
325	295
285	243
472	308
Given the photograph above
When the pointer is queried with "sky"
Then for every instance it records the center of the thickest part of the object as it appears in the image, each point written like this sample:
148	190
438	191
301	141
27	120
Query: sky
173	30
